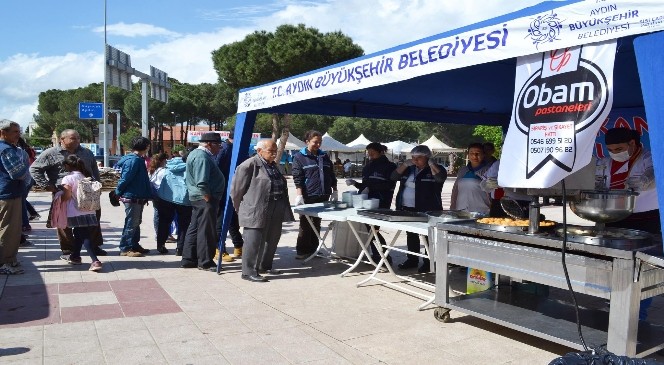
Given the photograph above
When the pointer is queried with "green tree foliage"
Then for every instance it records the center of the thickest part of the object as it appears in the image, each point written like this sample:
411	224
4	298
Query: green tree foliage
453	135
263	57
492	134
128	135
346	129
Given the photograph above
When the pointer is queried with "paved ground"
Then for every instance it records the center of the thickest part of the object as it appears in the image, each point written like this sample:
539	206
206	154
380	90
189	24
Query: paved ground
149	310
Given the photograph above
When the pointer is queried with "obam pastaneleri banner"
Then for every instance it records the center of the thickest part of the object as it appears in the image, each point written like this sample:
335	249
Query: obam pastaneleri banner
561	99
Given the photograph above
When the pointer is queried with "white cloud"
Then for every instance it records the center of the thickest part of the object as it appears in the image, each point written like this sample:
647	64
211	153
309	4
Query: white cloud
374	25
135	30
23	77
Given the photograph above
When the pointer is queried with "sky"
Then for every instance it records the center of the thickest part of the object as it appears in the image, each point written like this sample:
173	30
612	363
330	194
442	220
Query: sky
46	44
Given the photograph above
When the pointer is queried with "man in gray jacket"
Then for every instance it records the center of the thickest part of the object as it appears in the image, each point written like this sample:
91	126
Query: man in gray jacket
47	171
260	197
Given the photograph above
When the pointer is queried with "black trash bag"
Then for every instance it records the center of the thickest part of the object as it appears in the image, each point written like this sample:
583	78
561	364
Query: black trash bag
600	357
113	198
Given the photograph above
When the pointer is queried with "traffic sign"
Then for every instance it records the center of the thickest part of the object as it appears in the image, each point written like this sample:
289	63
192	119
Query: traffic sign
90	110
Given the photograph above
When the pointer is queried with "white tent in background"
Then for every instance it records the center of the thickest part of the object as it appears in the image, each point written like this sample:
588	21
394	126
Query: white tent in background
293	143
437	146
360	143
331	144
399	147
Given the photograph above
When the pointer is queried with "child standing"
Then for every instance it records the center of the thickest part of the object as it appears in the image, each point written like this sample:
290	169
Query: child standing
79	221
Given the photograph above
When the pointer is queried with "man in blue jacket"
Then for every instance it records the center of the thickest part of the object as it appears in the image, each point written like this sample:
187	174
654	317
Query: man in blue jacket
134	190
13	171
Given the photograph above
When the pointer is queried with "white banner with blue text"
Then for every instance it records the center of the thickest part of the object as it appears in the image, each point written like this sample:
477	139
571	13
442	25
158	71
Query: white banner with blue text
561	99
567	26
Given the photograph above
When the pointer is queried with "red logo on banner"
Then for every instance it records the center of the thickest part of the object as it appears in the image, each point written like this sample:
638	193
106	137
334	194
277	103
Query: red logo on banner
558	61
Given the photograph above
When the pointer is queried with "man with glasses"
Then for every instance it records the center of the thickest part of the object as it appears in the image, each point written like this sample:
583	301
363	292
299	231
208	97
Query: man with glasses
47	171
260	197
205	185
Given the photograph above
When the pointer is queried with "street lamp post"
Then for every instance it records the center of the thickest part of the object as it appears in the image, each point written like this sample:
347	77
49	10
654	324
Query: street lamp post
117	138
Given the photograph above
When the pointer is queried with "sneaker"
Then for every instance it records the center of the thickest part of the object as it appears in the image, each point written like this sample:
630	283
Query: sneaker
162	250
71	260
34	217
8	270
237	252
225	257
139	248
131	253
96	266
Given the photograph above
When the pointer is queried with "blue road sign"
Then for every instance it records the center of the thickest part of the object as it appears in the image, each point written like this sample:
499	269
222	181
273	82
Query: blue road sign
90	110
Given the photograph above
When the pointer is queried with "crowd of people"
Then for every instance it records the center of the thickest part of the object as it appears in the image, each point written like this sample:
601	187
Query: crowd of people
191	192
187	191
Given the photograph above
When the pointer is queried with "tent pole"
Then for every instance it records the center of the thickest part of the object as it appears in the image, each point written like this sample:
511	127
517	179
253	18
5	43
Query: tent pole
647	49
244	126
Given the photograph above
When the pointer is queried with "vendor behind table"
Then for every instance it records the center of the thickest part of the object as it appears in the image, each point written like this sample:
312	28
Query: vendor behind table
629	166
421	185
376	182
467	195
315	182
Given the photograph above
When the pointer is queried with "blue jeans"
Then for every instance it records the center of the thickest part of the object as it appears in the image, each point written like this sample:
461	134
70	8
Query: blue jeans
131	233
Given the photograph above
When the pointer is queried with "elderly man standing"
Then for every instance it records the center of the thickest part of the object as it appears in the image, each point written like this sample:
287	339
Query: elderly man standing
13	170
47	171
260	196
205	184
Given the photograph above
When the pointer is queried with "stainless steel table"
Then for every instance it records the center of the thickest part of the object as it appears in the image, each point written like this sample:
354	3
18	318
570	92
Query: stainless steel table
319	211
613	273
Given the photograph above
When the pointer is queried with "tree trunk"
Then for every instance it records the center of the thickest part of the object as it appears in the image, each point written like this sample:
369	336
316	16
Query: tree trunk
281	145
182	134
172	139
275	126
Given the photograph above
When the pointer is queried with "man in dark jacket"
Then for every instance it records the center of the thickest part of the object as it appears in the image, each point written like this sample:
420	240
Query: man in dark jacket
224	161
47	171
420	190
134	190
315	182
205	185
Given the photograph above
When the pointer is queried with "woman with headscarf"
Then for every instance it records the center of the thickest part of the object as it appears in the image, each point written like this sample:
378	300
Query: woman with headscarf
420	191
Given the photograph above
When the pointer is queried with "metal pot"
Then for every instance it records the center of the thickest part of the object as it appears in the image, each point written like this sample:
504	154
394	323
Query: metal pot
604	206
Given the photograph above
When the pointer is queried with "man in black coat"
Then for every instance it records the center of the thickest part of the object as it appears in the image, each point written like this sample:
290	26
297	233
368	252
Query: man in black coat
224	162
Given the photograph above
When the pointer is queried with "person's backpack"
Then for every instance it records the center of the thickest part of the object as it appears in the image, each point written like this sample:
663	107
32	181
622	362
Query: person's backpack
88	194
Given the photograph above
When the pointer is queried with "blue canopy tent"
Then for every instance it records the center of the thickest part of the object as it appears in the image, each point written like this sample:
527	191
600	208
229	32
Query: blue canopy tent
467	75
